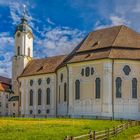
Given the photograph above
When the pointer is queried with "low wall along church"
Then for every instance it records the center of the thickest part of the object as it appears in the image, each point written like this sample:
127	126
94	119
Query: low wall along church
99	78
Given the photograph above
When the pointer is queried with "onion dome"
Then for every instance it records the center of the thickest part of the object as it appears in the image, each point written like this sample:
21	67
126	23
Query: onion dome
23	26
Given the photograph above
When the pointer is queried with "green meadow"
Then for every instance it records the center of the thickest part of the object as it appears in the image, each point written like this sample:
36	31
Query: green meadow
54	129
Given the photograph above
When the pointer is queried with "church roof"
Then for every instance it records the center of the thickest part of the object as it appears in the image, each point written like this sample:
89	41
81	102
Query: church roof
5	84
42	66
118	42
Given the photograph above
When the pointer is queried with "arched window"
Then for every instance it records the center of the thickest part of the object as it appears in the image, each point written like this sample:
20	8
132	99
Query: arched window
134	88
39	96
31	97
28	51
77	89
18	50
39	81
98	88
48	96
65	92
31	82
118	87
48	80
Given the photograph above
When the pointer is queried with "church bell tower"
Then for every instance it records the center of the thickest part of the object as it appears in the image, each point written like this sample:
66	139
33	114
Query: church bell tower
23	51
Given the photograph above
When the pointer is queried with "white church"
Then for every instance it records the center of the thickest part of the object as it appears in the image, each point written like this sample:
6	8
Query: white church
100	78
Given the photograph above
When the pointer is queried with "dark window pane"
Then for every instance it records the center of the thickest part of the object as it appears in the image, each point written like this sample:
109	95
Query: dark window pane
134	88
18	50
98	86
77	89
31	97
118	87
39	111
39	96
29	52
61	77
39	81
126	70
31	112
82	72
92	71
65	92
59	93
48	80
87	71
31	82
48	96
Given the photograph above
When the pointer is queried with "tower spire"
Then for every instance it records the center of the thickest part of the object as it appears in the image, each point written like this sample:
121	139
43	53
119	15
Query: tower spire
24	19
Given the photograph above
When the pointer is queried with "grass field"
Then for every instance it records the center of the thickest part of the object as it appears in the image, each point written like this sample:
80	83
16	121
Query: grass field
53	129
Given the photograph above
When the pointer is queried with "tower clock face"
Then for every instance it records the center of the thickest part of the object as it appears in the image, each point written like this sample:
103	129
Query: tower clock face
18	34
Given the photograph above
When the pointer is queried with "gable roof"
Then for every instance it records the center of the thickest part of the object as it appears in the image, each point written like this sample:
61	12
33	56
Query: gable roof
5	84
118	42
5	80
42	66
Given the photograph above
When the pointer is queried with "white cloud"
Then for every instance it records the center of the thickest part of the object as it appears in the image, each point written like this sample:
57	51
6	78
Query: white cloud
50	21
60	40
5	64
116	20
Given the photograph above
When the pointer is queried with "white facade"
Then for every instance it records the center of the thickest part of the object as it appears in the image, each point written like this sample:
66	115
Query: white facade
4	96
81	89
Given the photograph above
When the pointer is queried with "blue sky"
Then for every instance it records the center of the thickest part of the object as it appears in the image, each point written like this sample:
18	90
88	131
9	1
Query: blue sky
59	25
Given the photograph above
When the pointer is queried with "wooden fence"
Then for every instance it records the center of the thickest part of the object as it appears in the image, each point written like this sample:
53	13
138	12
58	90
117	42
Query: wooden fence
105	134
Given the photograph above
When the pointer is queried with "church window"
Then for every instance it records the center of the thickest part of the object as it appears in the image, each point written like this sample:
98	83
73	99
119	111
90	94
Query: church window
39	111
39	96
18	34
48	80
59	93
31	111
126	70
14	104
48	96
31	82
92	71
82	72
31	97
134	88
77	89
18	50
47	111
28	51
98	88
65	92
39	81
118	87
61	77
87	71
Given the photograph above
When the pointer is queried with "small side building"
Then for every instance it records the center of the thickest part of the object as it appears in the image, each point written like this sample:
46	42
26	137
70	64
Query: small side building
5	90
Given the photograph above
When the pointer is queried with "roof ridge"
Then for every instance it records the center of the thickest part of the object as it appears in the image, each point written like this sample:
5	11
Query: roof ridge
117	35
115	39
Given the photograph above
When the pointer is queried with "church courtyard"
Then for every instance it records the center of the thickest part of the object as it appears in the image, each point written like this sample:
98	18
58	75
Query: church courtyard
56	129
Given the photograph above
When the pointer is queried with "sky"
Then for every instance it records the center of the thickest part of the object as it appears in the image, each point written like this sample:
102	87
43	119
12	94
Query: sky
59	25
